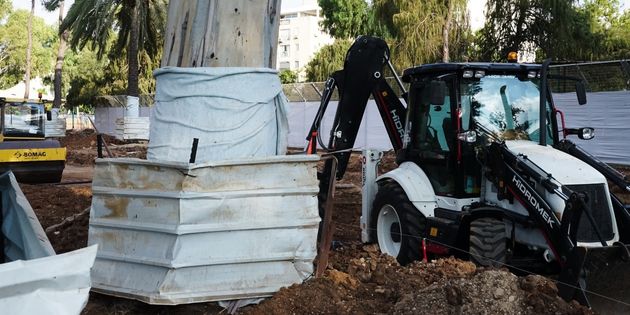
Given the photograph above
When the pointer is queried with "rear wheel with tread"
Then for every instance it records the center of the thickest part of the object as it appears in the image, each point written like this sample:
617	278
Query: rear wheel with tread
399	225
488	242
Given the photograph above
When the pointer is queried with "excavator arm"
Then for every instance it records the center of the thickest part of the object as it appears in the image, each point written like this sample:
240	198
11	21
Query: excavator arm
361	77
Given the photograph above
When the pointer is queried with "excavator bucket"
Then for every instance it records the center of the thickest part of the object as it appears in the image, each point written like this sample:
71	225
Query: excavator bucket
598	277
33	161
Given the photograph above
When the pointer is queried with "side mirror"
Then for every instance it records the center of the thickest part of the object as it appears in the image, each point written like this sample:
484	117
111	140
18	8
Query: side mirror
585	133
581	92
437	92
48	115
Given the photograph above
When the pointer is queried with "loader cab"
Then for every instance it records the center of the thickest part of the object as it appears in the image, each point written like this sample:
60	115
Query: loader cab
22	120
475	101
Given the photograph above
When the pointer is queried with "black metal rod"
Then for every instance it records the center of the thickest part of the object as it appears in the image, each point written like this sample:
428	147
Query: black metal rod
193	152
543	102
99	146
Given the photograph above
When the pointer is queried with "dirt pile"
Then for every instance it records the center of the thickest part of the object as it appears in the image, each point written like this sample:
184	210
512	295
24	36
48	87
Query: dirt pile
81	147
377	284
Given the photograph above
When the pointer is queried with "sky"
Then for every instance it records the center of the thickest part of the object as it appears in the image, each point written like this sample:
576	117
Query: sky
475	7
49	17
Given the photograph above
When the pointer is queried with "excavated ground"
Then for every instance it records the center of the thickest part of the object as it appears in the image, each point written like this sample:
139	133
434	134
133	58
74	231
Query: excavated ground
358	281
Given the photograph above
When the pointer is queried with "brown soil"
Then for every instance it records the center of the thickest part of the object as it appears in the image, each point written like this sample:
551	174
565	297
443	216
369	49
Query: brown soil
359	280
81	147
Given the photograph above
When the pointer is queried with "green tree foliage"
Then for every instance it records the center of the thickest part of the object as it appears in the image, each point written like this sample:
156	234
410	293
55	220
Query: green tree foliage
417	31
605	30
514	24
288	76
86	76
13	43
561	30
418	26
345	18
5	8
327	60
137	26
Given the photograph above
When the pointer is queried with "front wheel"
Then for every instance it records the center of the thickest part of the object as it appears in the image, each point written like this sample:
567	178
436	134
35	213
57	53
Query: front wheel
399	225
488	242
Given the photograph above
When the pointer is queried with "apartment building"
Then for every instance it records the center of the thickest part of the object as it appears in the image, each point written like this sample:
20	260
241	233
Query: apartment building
300	35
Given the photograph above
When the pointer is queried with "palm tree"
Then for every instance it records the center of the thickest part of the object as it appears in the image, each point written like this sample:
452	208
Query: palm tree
29	47
139	25
52	5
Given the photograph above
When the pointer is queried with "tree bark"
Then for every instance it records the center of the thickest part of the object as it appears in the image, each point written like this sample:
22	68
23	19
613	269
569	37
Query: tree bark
214	33
446	30
63	39
29	47
132	53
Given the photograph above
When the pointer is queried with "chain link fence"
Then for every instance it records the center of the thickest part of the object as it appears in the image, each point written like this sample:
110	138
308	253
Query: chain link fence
602	76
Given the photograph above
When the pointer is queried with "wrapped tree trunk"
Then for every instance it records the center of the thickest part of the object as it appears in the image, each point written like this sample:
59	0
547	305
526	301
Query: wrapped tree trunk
217	83
213	33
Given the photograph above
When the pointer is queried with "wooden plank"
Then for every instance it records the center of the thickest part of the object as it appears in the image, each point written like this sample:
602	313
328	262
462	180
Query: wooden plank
214	33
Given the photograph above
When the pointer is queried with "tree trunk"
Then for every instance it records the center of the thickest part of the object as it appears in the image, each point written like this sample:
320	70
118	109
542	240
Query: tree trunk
132	53
446	30
29	46
214	33
63	38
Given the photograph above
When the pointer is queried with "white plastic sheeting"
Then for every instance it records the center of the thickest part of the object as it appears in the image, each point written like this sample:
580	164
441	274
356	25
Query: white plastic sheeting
34	280
51	285
171	233
609	114
372	133
24	237
234	112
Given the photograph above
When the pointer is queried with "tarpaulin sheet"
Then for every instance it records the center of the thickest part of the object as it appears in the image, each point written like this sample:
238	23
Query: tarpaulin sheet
24	237
58	284
33	280
234	112
607	112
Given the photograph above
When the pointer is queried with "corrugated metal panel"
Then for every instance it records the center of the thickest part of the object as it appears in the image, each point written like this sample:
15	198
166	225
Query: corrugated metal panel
55	128
132	128
172	233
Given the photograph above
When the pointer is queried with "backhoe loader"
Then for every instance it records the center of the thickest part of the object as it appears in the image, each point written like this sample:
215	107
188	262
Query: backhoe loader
485	172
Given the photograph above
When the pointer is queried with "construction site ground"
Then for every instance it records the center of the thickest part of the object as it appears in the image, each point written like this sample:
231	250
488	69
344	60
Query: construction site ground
359	280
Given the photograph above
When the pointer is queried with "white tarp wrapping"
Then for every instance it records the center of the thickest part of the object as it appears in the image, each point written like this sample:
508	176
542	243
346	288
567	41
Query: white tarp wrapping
58	284
609	114
24	237
234	112
33	280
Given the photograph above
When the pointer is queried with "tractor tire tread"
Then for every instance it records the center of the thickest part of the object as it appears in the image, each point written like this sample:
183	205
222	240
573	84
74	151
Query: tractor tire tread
488	242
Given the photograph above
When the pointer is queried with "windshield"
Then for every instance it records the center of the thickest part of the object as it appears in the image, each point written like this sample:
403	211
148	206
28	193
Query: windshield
505	106
23	120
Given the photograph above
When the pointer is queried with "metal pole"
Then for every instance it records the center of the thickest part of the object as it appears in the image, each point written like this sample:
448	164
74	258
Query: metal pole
543	102
325	237
99	146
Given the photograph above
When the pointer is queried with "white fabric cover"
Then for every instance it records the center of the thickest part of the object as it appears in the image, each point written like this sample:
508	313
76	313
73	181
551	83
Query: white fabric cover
609	114
234	112
23	235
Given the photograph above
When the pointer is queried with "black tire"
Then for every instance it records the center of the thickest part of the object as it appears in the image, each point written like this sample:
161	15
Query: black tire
411	225
488	242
